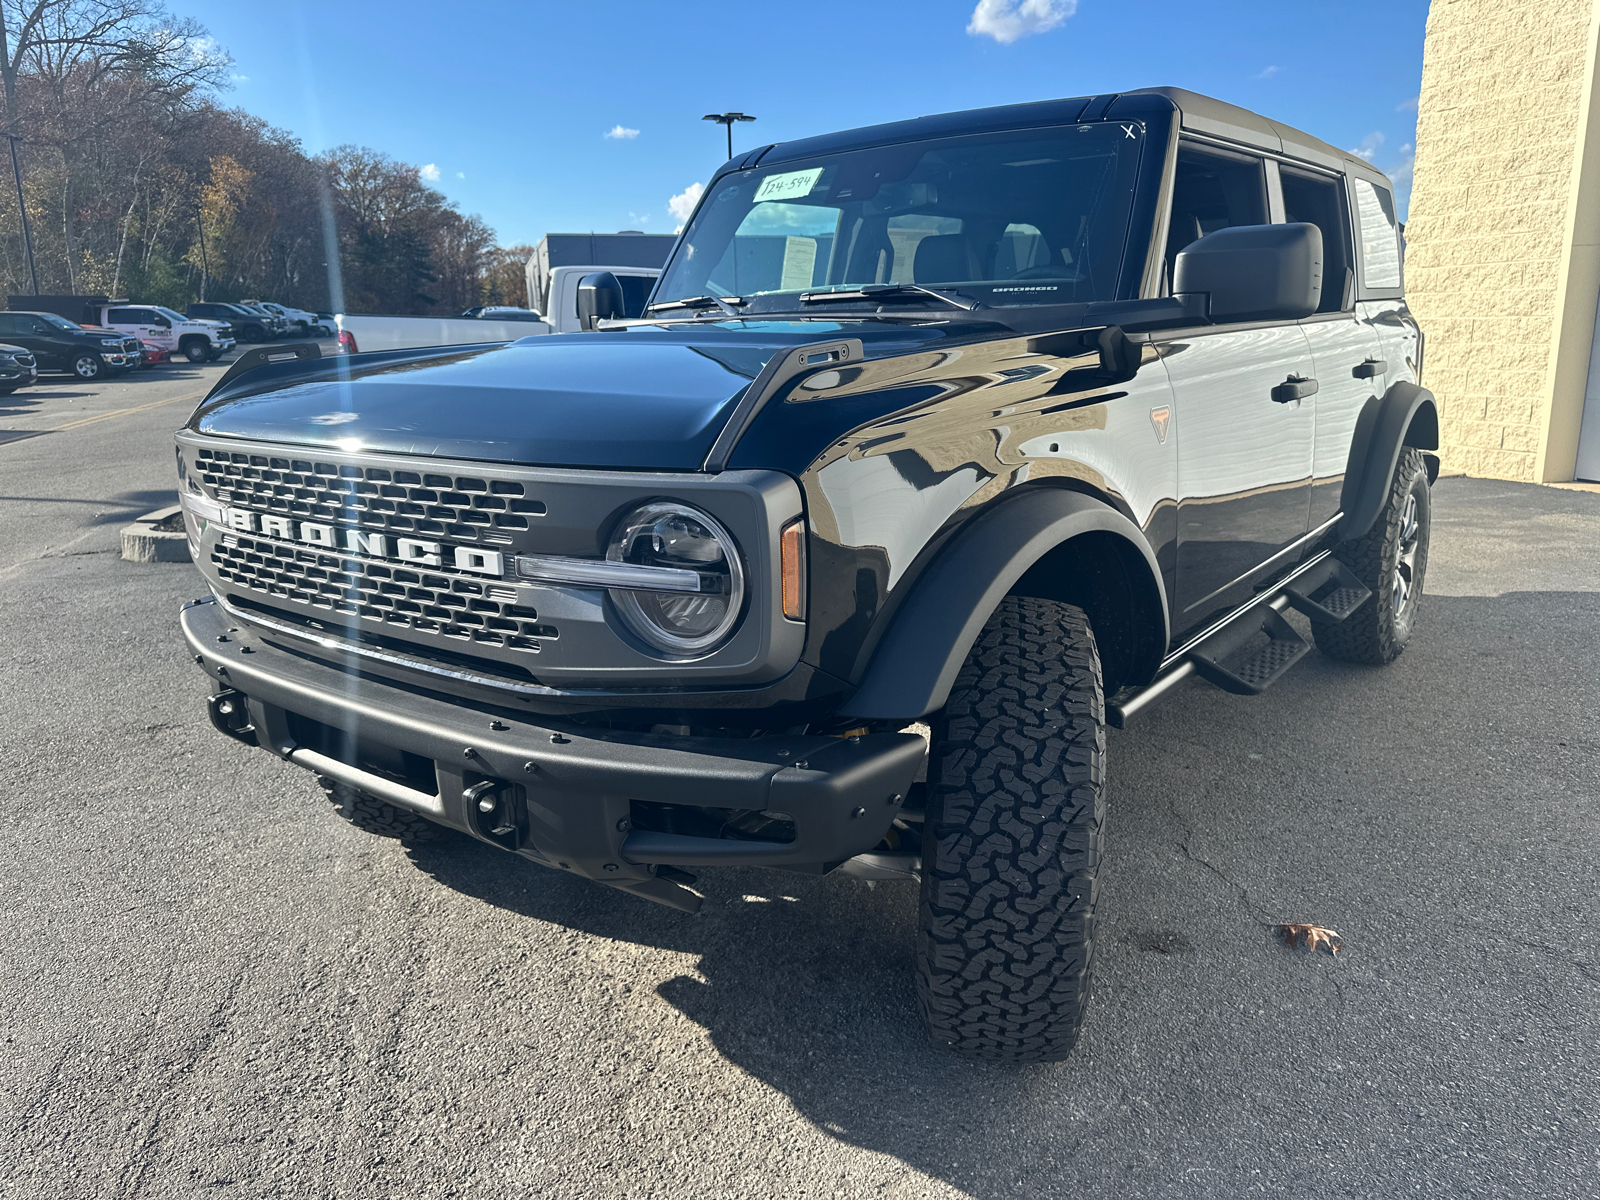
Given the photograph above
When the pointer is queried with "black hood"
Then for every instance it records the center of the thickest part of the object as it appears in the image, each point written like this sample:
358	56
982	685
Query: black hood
592	399
649	399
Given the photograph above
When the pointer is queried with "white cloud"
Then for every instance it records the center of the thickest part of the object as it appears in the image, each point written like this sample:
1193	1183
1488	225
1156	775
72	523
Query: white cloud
1407	105
461	174
1402	171
239	78
1370	145
430	173
681	205
1007	20
1267	72
621	133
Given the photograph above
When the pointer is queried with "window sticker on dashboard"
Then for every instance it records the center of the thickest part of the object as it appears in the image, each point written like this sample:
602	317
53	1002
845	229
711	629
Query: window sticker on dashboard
788	186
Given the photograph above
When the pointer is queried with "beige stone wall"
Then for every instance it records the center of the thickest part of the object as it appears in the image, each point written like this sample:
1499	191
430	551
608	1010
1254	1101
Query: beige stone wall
1502	132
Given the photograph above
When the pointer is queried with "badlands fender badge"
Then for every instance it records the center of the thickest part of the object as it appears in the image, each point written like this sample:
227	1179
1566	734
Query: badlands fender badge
1161	418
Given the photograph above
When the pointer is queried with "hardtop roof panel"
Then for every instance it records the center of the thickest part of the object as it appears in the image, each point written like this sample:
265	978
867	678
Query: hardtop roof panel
1200	114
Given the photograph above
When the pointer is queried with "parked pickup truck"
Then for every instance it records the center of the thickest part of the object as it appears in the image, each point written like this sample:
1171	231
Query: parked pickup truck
943	445
197	339
360	334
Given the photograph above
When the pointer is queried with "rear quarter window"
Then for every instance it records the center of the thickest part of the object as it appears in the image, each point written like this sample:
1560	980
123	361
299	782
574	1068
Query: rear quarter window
1380	241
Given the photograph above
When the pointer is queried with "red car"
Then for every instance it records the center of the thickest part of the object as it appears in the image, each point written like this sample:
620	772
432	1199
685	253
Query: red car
154	354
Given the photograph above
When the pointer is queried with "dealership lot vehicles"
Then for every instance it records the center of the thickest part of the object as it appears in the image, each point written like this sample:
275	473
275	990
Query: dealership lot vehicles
939	447
247	324
17	368
198	340
58	344
362	334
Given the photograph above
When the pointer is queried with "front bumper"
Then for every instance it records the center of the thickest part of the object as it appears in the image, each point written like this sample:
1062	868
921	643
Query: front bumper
565	795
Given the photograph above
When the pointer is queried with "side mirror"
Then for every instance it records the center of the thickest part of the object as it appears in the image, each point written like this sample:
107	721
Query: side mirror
599	299
1255	272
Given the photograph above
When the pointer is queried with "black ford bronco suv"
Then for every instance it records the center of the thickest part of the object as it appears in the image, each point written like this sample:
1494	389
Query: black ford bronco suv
941	446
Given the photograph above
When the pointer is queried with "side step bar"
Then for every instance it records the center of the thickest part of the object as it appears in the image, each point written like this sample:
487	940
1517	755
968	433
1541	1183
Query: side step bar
1232	655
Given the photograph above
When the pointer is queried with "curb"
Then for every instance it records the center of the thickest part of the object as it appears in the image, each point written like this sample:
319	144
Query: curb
156	537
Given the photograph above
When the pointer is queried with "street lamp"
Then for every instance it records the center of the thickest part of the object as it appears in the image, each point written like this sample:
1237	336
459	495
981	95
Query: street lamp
728	118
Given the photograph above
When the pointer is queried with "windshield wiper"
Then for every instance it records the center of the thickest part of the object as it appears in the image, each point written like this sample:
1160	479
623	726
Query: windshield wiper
891	291
726	305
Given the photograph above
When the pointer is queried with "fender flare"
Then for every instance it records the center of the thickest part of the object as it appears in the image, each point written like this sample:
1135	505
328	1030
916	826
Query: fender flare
915	664
1386	425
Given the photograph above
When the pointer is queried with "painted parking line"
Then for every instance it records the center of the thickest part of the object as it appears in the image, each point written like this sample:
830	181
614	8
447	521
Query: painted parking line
124	412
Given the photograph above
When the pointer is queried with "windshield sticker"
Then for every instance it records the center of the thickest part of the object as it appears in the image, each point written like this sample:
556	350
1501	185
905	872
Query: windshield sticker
788	186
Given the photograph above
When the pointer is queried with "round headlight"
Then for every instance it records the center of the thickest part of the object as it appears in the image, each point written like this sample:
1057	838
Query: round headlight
667	534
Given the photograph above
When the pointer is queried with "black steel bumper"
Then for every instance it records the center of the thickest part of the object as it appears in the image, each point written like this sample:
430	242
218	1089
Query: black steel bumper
564	795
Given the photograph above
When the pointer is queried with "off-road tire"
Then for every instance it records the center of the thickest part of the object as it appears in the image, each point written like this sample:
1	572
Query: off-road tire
1391	559
1015	832
366	811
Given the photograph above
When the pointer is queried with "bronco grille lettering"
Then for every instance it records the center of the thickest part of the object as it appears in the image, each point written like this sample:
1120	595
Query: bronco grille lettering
360	541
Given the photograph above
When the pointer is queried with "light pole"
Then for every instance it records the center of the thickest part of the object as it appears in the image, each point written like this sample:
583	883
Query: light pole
728	118
22	207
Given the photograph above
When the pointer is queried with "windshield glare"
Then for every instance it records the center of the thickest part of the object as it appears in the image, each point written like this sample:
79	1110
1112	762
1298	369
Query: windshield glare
1035	217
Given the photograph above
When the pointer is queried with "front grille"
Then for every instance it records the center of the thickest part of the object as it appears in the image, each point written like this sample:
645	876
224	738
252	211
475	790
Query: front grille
464	508
22	360
469	610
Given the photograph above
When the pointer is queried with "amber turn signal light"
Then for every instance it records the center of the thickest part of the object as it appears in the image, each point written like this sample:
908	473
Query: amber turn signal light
792	559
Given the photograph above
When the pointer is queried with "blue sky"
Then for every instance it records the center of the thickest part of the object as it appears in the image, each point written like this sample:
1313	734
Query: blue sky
508	104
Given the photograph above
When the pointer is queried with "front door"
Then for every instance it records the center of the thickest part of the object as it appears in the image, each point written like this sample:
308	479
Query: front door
43	339
1244	442
1245	446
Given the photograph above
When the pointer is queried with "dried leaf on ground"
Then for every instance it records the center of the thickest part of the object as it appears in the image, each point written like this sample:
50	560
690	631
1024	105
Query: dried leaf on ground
1310	936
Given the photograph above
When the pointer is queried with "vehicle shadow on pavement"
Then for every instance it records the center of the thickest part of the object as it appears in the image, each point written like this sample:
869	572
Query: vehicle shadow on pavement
1372	800
118	508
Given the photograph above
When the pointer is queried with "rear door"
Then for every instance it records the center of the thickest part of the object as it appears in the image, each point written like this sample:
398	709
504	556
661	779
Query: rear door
1244	446
1350	368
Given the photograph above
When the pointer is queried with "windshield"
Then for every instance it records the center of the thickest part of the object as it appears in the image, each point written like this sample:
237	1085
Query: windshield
1033	217
58	322
169	314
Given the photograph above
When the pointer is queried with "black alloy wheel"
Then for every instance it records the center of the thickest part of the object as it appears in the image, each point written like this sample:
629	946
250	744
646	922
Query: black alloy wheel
1392	560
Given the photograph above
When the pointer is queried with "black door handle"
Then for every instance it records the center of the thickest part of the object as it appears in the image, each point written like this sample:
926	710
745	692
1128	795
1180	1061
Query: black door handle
1370	369
1296	387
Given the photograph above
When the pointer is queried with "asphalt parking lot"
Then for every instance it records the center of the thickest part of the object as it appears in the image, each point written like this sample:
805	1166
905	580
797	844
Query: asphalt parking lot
211	985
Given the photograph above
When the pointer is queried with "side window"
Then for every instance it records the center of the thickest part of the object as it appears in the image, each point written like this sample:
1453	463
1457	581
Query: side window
124	316
1212	192
1320	200
1380	243
634	290
8	324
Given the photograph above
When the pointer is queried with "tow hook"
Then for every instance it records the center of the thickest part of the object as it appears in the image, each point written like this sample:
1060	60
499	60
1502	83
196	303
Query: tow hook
230	715
483	793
